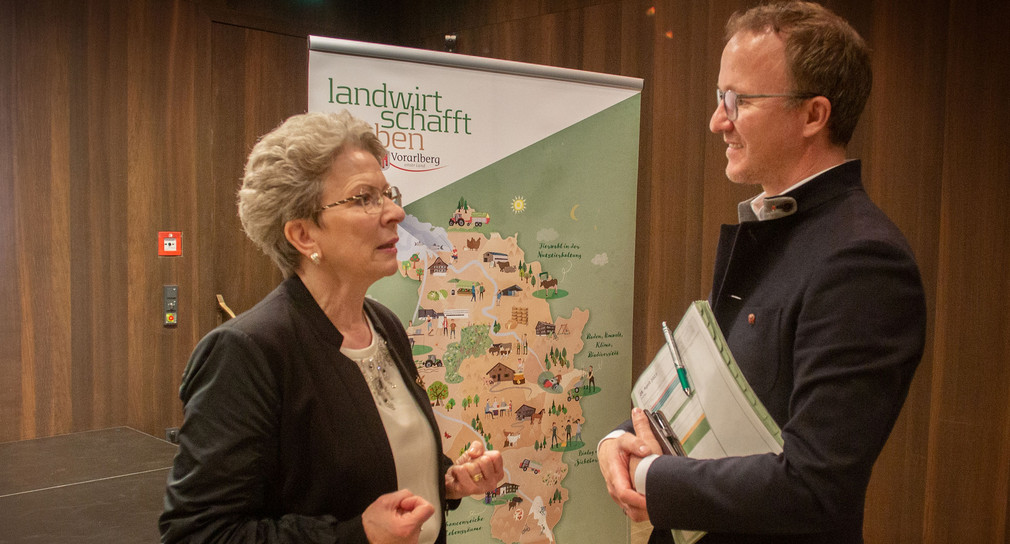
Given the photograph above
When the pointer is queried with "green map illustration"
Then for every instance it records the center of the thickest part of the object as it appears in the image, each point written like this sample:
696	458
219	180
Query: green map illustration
515	288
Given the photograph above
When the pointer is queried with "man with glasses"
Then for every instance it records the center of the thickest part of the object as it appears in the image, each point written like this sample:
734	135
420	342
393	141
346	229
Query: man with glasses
817	293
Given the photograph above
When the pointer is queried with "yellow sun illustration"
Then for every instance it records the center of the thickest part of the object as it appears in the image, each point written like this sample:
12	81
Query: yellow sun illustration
518	204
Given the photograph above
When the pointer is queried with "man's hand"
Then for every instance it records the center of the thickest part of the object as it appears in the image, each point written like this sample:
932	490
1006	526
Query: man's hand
396	518
619	457
476	471
643	430
615	455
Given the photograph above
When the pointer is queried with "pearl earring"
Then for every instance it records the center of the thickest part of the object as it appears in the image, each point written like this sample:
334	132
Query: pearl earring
314	258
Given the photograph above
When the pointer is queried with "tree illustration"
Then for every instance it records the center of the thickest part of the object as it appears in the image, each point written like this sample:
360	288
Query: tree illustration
438	391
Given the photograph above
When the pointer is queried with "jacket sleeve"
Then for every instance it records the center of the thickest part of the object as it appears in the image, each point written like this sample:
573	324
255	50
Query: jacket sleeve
218	489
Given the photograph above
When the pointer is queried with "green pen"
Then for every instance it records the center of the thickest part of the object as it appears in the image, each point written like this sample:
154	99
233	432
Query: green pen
681	371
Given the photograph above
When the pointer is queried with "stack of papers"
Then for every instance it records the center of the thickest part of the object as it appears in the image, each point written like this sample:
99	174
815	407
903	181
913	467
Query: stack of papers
722	416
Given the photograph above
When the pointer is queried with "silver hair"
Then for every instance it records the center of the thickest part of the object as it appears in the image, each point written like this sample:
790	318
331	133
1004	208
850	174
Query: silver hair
284	177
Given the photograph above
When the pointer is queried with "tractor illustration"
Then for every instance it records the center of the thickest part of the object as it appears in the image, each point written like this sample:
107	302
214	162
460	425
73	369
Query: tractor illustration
470	219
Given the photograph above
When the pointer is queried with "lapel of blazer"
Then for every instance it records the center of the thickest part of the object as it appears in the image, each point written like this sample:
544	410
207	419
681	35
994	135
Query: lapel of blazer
723	256
351	396
745	241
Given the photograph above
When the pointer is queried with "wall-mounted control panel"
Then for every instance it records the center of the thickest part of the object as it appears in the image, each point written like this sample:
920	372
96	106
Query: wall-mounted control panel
170	302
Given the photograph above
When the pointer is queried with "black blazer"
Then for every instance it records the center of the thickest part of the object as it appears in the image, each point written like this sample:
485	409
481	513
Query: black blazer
825	313
281	440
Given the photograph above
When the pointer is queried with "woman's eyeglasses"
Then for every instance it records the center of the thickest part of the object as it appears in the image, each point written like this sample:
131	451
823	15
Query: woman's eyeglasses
370	198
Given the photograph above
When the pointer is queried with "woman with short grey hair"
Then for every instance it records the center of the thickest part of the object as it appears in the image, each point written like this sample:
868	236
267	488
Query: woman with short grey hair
305	420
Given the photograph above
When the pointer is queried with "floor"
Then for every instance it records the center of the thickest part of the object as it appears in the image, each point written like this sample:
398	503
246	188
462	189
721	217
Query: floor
92	487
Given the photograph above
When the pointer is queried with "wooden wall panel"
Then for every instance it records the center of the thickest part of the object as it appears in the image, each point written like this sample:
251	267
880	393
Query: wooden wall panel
968	464
903	173
98	225
672	197
41	196
61	357
106	120
167	41
10	312
259	80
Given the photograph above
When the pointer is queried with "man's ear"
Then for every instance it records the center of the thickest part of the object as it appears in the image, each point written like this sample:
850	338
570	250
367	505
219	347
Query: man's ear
818	112
300	235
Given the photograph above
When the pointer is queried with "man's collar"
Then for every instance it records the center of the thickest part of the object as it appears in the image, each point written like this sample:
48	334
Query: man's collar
765	208
772	207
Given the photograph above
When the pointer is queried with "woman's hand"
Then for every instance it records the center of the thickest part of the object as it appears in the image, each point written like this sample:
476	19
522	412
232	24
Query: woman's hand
476	471
396	518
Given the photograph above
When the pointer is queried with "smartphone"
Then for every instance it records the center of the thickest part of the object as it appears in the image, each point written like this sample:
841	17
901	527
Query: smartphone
668	440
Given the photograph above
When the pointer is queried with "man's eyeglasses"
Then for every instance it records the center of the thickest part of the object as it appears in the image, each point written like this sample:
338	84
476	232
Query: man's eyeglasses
729	99
370	198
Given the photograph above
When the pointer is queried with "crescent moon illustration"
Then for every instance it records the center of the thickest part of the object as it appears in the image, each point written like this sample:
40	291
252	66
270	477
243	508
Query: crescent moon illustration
573	213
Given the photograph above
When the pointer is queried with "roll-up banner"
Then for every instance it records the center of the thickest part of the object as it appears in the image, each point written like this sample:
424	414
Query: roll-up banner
517	261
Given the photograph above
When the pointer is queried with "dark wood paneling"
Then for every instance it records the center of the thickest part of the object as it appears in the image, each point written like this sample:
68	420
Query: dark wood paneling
166	45
100	349
672	184
10	285
260	78
903	175
968	464
108	117
41	185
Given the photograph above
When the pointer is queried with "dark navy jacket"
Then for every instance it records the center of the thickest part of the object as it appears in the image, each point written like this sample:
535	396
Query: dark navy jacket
825	314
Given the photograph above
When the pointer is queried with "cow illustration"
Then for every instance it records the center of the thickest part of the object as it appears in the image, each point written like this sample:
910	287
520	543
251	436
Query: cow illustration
500	349
547	284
